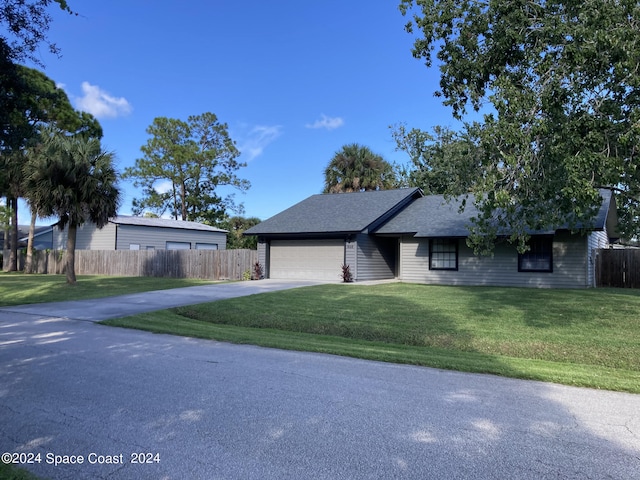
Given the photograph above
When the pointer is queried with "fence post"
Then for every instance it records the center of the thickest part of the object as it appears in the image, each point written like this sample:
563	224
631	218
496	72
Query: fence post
206	264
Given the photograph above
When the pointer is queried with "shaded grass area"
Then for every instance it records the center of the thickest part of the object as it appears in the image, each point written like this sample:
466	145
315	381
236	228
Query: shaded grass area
20	289
10	472
577	337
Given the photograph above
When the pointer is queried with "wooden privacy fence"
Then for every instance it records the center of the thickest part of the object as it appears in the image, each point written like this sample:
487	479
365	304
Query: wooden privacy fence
205	264
618	268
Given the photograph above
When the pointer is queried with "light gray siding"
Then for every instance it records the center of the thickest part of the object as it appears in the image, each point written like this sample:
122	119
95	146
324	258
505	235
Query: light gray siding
595	240
376	258
59	238
263	256
569	265
157	237
88	237
120	237
351	257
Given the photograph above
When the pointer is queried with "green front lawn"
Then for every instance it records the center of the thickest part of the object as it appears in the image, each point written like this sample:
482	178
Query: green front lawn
19	289
577	337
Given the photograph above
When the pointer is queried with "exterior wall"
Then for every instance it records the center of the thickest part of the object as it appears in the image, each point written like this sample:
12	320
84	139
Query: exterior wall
376	258
120	237
158	237
89	237
263	256
569	265
351	256
59	238
43	241
595	240
370	258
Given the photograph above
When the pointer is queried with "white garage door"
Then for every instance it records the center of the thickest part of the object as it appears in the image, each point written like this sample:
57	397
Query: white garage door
306	259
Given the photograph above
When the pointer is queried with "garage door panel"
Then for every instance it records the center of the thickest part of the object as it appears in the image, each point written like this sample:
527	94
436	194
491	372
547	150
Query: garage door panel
306	259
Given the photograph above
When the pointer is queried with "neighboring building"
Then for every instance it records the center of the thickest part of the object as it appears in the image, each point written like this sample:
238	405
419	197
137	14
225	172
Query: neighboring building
142	233
22	231
415	238
41	238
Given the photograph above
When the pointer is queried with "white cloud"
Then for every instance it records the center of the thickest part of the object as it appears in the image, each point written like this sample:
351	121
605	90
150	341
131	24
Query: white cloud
257	140
100	104
163	186
329	123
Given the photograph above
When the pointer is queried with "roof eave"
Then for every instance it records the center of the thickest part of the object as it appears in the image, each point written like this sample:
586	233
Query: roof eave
341	233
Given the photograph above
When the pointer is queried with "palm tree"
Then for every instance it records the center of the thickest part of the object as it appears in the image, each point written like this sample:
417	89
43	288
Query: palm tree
356	168
75	181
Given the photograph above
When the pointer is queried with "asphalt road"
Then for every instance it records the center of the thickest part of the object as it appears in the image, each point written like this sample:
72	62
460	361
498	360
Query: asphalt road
195	409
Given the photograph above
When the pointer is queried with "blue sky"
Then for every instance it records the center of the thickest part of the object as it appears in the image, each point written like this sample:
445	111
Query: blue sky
295	80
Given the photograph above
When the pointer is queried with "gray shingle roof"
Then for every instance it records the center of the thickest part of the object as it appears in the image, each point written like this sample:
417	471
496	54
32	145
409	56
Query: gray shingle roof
335	213
405	211
607	215
163	223
433	216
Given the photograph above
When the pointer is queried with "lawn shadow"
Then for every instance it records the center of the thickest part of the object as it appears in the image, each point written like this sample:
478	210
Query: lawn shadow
475	329
542	308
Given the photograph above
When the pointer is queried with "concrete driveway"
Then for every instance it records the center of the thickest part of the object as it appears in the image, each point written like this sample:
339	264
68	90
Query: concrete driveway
123	305
134	405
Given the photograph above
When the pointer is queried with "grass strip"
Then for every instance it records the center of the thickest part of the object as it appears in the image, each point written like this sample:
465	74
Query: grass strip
169	322
21	289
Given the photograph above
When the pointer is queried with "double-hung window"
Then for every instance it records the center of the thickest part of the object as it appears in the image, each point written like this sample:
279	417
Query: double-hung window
539	257
443	254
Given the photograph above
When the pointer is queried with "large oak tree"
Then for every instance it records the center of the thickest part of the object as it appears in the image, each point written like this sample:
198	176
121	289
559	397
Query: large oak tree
557	84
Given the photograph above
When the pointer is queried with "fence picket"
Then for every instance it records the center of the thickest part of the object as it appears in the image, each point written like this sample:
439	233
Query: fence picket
203	264
618	268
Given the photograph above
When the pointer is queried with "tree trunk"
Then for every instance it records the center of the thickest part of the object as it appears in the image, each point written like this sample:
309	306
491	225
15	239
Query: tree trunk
183	192
28	263
13	255
175	203
5	242
70	255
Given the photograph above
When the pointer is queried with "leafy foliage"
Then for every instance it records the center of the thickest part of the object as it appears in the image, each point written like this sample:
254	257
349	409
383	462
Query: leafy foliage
73	179
236	226
346	275
194	158
26	24
356	168
258	271
445	162
31	102
5	215
557	83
